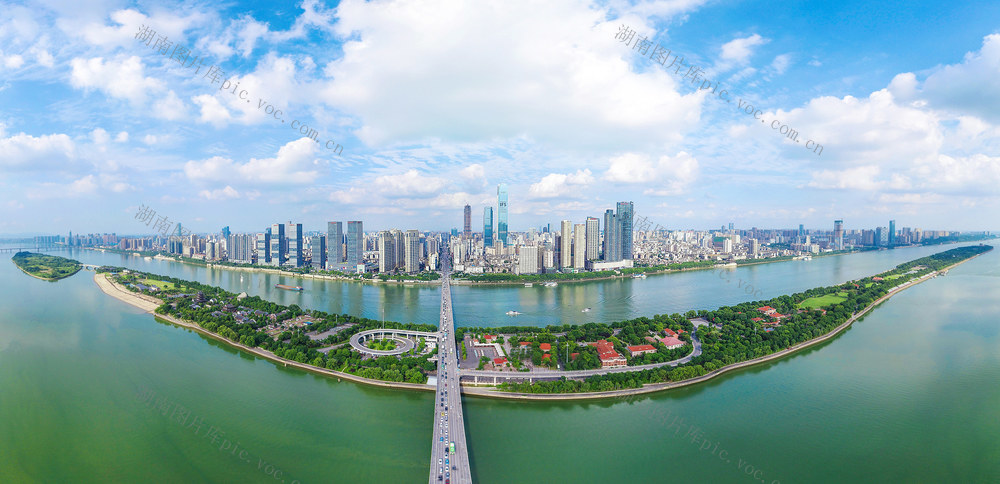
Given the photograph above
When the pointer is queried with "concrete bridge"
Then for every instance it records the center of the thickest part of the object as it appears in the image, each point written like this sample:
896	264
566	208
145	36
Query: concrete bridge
449	451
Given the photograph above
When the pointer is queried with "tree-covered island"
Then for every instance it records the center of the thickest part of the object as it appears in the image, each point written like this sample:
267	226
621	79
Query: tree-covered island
46	267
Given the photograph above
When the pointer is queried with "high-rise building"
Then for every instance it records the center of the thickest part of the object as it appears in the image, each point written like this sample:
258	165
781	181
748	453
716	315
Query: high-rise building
624	217
881	237
802	233
593	239
565	244
386	251
264	247
279	249
334	243
502	213
317	244
487	226
240	248
579	245
400	245
527	259
413	251
225	232
892	233
467	232
355	244
612	237
730	226
295	245
838	234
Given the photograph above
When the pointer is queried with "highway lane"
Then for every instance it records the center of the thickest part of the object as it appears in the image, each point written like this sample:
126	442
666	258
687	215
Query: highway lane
449	423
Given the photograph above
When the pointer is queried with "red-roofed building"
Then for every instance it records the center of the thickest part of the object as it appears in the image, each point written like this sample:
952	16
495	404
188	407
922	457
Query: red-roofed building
877	278
670	332
545	347
757	319
546	356
525	343
489	338
768	310
499	361
572	356
609	357
641	350
671	342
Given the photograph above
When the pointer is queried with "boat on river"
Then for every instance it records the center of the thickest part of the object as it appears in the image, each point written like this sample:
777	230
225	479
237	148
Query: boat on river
512	313
290	288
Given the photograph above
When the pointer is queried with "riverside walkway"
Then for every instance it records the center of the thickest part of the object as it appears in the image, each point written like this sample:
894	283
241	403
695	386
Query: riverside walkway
449	451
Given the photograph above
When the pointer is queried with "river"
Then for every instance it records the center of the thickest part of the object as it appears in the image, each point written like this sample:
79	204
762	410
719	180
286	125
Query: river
909	393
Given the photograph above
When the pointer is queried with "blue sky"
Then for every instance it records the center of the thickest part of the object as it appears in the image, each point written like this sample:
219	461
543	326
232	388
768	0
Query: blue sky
436	102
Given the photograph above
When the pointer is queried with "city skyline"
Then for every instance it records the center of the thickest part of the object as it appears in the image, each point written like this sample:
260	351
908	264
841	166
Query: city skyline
125	125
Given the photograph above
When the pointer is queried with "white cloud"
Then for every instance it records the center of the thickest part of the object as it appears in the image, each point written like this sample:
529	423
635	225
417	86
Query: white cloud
561	185
23	152
737	52
13	61
780	63
550	72
295	164
212	111
666	176
411	184
122	137
121	77
220	194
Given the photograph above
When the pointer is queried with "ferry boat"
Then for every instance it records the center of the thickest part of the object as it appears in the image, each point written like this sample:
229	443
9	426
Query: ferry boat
638	276
290	288
551	284
587	310
512	313
528	284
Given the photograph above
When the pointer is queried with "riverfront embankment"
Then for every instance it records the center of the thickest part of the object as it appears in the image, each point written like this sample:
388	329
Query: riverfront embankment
657	387
149	304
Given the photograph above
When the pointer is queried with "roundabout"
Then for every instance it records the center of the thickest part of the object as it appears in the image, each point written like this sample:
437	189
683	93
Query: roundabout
404	340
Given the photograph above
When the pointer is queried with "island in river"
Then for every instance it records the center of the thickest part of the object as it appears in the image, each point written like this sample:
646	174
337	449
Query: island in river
726	338
46	267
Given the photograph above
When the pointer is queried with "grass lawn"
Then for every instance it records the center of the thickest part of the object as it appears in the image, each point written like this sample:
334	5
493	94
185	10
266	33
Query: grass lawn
823	301
894	276
160	284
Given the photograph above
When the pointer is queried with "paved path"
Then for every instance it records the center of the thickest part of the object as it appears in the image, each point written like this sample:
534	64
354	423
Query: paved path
449	424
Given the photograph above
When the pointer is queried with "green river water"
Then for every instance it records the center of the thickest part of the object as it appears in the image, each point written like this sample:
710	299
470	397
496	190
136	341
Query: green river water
911	393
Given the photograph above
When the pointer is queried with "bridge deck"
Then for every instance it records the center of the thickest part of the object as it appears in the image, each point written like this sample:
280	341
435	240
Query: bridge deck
449	424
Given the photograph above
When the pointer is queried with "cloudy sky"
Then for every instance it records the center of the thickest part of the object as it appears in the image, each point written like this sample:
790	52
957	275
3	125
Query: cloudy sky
436	102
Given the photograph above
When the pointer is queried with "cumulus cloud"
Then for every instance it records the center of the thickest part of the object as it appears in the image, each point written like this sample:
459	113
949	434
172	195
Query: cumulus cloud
295	164
121	77
23	152
665	176
558	185
548	71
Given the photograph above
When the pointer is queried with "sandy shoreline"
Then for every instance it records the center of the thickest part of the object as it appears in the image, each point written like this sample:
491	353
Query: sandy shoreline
149	304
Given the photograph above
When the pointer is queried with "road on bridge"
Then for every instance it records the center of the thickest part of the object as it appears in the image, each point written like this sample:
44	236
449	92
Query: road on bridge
449	452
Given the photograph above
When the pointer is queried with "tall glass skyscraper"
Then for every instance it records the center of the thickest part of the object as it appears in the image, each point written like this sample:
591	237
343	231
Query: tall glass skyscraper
355	244
467	227
502	214
625	219
488	226
892	233
612	237
334	242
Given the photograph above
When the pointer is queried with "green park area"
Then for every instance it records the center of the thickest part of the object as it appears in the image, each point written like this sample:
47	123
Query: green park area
46	267
382	344
823	301
161	285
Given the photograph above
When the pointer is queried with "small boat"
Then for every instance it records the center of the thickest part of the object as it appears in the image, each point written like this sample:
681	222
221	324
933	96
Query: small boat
528	284
587	310
638	276
512	313
551	284
290	288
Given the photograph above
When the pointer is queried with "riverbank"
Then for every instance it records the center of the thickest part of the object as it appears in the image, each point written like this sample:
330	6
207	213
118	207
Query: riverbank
149	305
46	262
657	387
